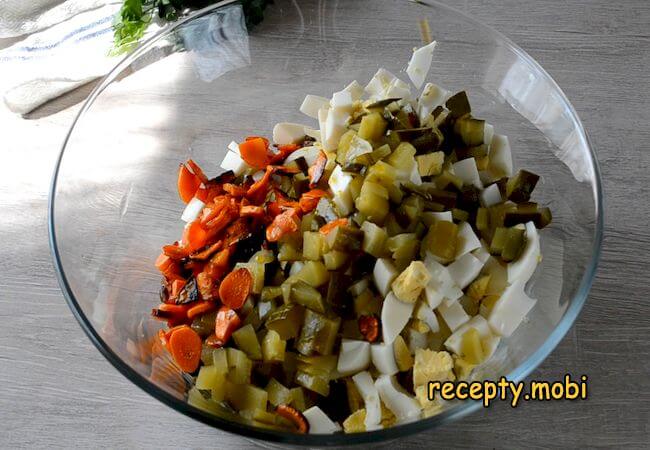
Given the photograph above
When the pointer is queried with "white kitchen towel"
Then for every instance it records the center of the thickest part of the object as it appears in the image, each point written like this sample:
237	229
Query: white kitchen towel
60	58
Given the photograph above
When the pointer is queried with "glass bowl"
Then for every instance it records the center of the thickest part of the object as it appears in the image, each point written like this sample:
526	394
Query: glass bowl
194	87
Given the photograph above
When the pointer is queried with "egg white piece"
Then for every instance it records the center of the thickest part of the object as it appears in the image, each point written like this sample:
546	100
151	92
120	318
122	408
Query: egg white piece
467	171
511	308
355	89
523	268
383	358
395	314
454	341
353	357
319	423
192	210
491	195
366	387
383	275
453	314
465	269
467	240
312	104
420	63
432	97
405	407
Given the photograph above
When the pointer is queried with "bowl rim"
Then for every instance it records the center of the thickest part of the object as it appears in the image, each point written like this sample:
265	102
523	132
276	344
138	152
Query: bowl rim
456	412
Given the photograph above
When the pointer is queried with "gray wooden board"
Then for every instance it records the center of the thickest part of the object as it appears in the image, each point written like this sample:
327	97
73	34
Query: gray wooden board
57	391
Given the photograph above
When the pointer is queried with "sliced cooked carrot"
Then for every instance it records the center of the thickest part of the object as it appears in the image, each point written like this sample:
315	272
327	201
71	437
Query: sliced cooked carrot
194	236
175	251
251	210
234	190
197	171
205	284
188	183
185	347
235	288
207	252
167	266
317	170
225	324
309	200
200	308
218	264
177	287
284	223
325	229
255	151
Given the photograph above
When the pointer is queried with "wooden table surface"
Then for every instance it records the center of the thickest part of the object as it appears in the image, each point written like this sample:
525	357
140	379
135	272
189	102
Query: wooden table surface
57	391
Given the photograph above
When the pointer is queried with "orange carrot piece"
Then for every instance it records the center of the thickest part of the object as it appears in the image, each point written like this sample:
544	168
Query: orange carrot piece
317	170
234	190
188	183
255	151
309	200
167	266
185	347
251	210
325	229
177	287
175	251
284	223
200	308
235	288
197	171
225	324
207	252
194	236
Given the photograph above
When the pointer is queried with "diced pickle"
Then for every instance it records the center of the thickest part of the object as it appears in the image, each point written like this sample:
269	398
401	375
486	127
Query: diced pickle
374	239
246	340
482	219
447	179
318	334
286	320
366	304
373	127
220	360
334	259
246	396
315	383
430	163
345	239
508	242
441	240
273	347
344	145
299	400
211	379
239	365
382	173
459	215
373	206
314	273
270	293
470	130
355	401
307	296
458	105
278	394
288	252
519	187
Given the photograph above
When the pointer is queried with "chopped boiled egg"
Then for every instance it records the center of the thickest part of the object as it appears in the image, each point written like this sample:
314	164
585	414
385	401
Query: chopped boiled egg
342	99
319	423
353	357
500	164
432	366
310	154
432	97
405	407
467	171
491	195
312	104
510	309
288	133
424	312
465	269
467	240
368	391
420	63
453	342
395	314
453	314
383	275
355	89
410	283
383	358
441	285
232	161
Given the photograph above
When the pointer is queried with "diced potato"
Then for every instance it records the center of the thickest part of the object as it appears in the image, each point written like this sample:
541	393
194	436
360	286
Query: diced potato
373	127
373	206
409	284
314	273
286	320
220	360
273	347
334	259
299	400
366	304
462	368
344	145
246	340
441	241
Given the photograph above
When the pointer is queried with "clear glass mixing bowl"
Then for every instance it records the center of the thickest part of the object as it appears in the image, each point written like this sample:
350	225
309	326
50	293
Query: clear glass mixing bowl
193	88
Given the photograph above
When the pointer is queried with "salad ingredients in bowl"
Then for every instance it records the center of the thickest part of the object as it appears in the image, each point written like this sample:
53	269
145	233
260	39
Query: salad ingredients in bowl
332	271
